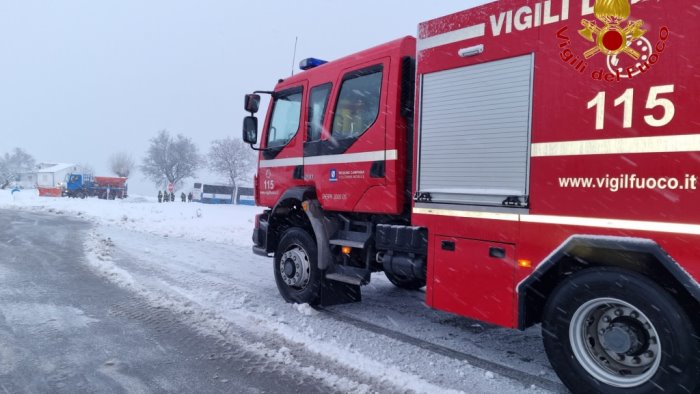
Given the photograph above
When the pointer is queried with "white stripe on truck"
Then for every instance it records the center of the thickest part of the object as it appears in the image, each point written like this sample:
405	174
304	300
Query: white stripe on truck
619	224
450	37
661	144
360	157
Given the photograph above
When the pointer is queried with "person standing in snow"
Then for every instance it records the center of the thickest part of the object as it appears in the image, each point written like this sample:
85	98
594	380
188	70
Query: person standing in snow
183	197
160	196
172	196
189	197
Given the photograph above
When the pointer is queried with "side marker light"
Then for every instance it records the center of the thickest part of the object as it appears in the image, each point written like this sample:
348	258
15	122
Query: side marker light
522	263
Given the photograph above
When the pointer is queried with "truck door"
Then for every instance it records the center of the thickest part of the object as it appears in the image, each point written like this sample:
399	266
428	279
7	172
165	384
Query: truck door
347	159
280	159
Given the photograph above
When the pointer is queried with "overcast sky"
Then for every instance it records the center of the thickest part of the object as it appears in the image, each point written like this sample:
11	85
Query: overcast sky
81	80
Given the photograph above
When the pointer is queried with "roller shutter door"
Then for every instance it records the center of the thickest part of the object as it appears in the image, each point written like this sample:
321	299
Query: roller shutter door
475	132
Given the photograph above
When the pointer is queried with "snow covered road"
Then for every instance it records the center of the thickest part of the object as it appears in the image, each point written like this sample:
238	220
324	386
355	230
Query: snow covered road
195	261
64	329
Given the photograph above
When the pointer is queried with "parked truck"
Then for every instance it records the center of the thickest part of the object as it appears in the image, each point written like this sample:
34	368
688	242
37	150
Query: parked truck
527	162
86	185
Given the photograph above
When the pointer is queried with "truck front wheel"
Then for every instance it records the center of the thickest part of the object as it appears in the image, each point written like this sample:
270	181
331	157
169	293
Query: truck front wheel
609	330
296	270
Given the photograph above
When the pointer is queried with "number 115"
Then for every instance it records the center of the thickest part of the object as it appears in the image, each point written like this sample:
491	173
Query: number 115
627	98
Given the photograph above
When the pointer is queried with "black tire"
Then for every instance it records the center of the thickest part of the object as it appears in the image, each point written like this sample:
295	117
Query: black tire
598	329
405	283
297	276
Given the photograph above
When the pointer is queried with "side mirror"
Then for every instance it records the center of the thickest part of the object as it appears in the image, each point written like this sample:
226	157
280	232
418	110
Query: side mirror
252	103
250	129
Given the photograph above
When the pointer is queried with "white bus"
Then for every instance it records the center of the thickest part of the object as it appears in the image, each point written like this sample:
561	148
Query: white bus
212	194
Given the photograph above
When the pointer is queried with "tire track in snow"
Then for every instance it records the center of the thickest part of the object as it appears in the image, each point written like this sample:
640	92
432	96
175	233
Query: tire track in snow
262	353
475	361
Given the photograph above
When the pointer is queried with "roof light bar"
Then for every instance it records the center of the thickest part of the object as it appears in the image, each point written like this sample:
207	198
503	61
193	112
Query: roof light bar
310	63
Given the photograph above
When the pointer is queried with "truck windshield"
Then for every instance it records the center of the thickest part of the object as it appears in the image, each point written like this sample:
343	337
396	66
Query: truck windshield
285	119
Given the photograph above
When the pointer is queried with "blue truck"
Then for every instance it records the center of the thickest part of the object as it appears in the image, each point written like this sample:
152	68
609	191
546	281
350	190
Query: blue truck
85	185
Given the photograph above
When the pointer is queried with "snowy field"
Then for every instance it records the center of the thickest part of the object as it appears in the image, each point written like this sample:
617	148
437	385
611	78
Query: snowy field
196	260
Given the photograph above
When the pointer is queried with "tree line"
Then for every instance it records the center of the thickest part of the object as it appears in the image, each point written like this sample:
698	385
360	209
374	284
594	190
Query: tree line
169	159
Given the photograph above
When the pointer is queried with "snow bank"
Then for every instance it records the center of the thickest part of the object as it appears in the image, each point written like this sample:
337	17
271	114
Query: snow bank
230	224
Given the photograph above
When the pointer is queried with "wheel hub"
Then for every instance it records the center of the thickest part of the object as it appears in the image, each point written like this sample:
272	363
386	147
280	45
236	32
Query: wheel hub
625	335
289	268
618	339
295	268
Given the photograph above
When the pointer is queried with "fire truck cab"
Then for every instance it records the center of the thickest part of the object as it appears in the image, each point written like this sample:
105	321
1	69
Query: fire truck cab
330	129
526	162
335	160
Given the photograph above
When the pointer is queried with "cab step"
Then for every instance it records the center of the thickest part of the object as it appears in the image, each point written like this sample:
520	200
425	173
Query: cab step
351	280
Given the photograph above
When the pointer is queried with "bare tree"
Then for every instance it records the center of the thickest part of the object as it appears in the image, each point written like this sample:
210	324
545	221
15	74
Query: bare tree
12	164
170	160
121	164
231	158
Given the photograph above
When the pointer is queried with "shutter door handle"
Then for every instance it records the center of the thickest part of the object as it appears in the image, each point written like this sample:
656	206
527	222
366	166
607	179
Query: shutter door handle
448	245
497	253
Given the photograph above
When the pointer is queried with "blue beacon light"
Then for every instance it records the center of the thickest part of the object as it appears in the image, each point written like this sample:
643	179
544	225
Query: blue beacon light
310	63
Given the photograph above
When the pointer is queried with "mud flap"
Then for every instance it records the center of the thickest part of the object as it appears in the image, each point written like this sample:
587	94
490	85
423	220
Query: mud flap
335	293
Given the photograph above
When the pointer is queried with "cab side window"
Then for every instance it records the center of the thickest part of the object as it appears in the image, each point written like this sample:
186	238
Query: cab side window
358	103
284	123
318	100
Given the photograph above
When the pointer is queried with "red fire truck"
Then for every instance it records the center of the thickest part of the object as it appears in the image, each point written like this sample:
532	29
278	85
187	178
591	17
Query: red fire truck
528	162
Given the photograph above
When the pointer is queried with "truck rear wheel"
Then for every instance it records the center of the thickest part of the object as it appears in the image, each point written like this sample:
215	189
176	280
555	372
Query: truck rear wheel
610	330
296	269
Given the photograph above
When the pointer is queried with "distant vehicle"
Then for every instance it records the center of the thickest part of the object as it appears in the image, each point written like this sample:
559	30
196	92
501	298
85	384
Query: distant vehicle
245	195
197	192
213	194
86	185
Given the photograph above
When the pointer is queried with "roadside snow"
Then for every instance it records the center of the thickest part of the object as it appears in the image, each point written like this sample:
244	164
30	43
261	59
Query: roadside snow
201	222
195	259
